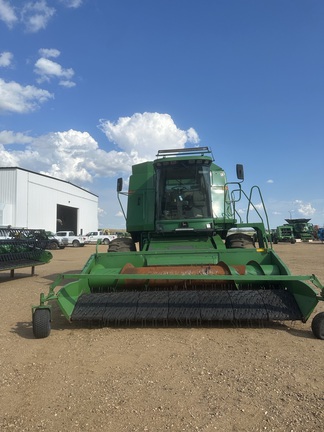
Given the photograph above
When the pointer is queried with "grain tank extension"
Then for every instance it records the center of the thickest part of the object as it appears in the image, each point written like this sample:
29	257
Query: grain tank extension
190	260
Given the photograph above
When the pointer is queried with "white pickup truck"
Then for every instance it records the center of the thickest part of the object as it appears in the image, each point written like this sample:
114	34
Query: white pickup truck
94	236
73	240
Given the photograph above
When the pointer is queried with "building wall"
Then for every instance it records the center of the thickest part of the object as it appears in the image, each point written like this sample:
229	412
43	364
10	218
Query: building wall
7	195
30	200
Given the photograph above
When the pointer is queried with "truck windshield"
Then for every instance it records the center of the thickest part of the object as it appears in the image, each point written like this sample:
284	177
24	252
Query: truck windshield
183	190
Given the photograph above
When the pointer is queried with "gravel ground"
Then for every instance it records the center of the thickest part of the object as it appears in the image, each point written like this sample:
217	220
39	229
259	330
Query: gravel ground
262	378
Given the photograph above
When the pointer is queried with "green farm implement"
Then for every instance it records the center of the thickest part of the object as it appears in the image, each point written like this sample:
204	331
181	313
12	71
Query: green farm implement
190	259
19	251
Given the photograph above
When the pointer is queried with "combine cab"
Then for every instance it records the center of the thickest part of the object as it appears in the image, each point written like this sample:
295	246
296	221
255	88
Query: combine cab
190	259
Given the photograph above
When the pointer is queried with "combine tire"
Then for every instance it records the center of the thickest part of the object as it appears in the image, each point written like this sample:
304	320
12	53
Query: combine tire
122	245
239	241
41	323
318	326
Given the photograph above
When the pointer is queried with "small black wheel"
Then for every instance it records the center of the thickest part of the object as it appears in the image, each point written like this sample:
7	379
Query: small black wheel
41	323
105	241
75	243
318	326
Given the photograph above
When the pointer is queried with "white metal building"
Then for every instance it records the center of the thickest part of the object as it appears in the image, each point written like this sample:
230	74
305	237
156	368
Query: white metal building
37	201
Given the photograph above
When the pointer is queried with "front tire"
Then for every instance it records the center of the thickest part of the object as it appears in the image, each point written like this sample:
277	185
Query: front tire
122	245
318	326
41	323
239	240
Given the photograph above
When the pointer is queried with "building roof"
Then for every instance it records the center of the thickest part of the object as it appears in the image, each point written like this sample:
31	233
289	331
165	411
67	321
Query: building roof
45	175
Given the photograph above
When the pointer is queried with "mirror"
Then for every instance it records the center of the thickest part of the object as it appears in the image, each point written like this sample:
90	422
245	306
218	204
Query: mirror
240	172
119	184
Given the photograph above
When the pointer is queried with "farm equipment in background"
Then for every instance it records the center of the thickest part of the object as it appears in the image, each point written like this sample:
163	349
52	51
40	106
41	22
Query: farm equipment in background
303	230
189	260
320	234
21	247
283	233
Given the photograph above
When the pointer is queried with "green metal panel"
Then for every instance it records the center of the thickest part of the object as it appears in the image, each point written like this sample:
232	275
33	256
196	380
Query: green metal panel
141	199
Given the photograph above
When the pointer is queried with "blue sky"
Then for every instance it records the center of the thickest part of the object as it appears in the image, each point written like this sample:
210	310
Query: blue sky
89	87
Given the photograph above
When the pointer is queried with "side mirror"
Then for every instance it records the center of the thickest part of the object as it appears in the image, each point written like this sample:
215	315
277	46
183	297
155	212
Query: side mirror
119	184
240	172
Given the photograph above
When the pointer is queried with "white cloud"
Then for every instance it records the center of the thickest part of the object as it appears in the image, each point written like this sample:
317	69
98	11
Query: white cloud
66	83
304	209
7	158
101	212
270	181
259	206
72	3
71	155
49	52
7	13
142	135
10	137
75	156
192	136
36	15
47	69
5	58
21	99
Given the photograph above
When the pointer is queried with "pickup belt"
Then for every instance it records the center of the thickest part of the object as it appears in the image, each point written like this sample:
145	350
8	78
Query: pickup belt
186	307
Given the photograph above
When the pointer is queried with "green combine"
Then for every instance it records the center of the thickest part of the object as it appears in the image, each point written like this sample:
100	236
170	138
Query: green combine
190	259
283	233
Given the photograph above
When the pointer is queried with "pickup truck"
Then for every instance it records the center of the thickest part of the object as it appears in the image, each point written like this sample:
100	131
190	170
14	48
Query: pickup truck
94	236
55	242
73	240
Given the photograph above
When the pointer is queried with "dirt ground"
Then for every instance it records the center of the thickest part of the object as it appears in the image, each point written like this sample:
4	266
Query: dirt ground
157	379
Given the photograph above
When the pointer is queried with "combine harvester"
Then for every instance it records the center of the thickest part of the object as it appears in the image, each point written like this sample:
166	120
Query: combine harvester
189	260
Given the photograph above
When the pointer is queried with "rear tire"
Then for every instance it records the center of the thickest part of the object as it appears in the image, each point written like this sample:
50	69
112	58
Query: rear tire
122	245
318	326
41	323
75	243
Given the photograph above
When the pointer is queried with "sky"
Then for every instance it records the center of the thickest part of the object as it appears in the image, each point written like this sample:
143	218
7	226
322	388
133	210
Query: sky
90	87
